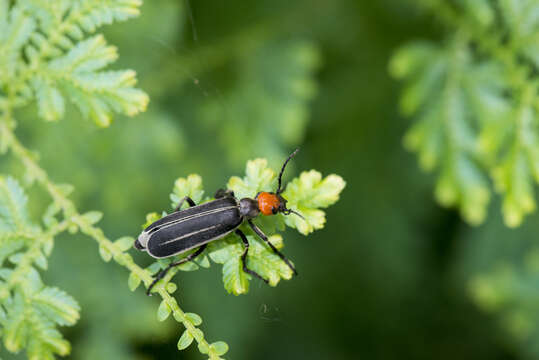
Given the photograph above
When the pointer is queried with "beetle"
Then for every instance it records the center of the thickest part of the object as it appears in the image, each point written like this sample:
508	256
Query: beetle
196	226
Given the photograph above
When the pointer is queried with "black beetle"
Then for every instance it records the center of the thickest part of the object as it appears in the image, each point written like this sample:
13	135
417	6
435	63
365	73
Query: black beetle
196	226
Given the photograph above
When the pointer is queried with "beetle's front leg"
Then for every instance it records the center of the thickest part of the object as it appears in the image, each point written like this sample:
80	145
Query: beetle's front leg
244	256
185	198
161	274
263	236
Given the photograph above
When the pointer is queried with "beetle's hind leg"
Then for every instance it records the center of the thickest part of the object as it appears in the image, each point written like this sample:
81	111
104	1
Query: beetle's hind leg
244	256
185	198
161	274
263	236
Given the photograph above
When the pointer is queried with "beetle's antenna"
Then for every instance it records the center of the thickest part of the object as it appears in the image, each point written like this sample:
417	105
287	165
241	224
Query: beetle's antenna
290	211
279	190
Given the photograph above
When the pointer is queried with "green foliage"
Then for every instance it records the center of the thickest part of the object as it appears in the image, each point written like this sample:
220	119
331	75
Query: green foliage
260	259
191	186
52	57
49	56
475	101
306	194
185	340
30	310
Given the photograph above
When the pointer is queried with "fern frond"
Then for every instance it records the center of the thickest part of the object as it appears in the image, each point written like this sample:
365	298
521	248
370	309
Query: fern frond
49	57
64	21
13	211
32	310
444	135
308	194
474	102
17	27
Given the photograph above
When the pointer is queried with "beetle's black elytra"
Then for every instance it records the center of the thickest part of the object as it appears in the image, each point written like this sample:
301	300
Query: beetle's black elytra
184	230
196	226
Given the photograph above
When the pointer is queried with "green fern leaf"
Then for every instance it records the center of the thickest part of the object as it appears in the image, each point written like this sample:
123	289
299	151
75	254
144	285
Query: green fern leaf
228	252
523	23
185	340
32	310
13	211
481	10
220	347
15	327
306	195
79	16
520	16
517	172
9	244
260	259
50	101
57	306
163	311
194	318
45	340
258	177
58	61
444	134
31	318
265	262
87	56
17	28
97	94
476	115
93	14
191	186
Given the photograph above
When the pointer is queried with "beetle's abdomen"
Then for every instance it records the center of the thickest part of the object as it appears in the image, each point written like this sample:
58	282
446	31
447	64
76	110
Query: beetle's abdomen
192	227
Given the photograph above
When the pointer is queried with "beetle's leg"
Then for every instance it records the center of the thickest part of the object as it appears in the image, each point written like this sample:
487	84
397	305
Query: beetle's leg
263	236
221	193
185	198
163	272
244	256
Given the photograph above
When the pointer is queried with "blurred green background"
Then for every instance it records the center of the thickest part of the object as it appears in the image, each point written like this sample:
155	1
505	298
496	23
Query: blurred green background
390	274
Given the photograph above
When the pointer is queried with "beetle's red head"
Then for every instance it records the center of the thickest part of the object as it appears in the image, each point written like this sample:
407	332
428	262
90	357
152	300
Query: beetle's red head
270	203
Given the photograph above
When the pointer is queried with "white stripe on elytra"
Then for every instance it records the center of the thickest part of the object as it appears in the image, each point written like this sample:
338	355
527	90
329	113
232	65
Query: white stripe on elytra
190	234
194	216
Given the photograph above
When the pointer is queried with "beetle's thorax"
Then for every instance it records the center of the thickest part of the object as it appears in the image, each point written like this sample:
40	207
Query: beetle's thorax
270	203
249	208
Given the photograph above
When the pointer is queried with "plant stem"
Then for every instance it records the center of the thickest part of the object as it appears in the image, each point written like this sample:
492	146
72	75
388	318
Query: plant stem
72	216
